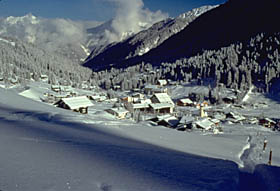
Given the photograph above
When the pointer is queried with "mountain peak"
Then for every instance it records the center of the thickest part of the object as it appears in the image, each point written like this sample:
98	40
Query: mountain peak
197	11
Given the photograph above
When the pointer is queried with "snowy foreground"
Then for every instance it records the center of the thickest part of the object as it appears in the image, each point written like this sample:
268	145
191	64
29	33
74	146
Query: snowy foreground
47	148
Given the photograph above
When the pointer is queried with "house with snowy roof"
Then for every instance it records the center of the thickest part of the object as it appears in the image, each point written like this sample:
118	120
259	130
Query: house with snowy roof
97	98
267	122
132	107
186	122
162	108
169	121
77	104
44	78
119	112
162	103
162	82
185	102
205	123
235	117
149	89
55	88
55	96
161	98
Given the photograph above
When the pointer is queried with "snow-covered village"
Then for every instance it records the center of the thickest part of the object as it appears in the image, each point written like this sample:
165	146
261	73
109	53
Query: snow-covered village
177	116
160	105
183	107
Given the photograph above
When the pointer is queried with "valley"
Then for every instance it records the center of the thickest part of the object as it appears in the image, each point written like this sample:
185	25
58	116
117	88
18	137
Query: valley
142	101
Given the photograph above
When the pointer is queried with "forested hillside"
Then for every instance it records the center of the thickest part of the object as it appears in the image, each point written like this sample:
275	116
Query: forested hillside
239	66
23	61
235	44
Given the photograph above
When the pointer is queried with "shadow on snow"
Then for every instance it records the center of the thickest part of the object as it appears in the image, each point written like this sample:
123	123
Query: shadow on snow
181	170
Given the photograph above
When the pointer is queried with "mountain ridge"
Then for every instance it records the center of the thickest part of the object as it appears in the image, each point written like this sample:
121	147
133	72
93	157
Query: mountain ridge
232	22
144	41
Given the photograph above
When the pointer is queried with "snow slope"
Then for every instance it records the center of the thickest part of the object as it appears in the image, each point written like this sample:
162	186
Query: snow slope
7	41
43	148
221	147
40	151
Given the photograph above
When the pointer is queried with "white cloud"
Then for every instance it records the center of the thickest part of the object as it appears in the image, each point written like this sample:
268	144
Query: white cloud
58	34
52	34
131	17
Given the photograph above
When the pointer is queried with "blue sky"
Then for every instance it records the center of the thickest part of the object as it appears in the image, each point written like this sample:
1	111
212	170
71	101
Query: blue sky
100	10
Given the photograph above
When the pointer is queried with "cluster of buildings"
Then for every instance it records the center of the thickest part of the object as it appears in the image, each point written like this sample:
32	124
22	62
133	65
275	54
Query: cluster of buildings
67	98
154	104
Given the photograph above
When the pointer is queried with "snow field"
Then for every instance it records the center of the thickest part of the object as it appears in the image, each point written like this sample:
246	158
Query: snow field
48	148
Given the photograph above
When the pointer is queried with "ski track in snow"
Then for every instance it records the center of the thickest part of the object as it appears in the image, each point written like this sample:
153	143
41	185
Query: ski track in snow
253	154
242	153
248	163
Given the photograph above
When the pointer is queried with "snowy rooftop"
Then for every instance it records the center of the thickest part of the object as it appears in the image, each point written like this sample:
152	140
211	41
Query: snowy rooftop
162	82
58	95
172	121
186	119
236	116
140	105
220	116
148	101
215	120
204	123
149	86
156	106
161	117
163	98
77	102
186	101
